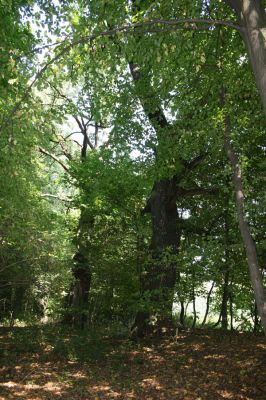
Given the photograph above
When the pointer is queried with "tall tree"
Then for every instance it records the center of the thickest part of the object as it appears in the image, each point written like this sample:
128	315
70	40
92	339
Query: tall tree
251	16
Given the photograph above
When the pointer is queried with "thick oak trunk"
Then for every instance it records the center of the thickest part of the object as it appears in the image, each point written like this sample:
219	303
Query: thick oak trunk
78	298
159	277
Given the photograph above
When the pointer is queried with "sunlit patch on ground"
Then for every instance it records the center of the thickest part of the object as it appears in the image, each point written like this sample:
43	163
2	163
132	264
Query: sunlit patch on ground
198	366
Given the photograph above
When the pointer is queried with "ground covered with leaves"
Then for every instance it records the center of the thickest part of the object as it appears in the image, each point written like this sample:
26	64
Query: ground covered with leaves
51	363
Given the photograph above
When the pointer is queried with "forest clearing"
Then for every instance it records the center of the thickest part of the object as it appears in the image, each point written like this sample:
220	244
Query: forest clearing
132	199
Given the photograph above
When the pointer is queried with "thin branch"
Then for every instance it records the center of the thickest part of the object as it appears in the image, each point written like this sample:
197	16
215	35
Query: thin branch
53	196
18	262
45	152
190	165
70	134
96	135
83	129
196	191
61	140
60	94
77	143
185	21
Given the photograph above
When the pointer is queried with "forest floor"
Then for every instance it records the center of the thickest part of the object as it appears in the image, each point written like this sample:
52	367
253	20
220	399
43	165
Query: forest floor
51	363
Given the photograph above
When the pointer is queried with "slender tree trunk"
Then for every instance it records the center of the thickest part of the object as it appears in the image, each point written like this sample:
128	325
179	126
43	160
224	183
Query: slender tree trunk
254	270
207	304
182	313
186	307
182	304
194	304
224	313
251	15
226	291
218	321
231	308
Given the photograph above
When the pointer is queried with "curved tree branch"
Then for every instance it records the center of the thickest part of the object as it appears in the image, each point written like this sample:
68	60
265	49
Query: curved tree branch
188	23
54	157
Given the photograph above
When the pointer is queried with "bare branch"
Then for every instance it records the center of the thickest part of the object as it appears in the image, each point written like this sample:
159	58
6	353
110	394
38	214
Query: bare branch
83	130
53	196
61	140
43	151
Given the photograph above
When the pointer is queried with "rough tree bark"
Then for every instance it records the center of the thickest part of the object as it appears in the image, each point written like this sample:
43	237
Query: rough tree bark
159	278
79	293
78	298
252	17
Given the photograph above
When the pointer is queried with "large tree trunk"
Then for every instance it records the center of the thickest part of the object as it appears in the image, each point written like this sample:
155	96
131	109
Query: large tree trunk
78	298
255	319
160	276
158	280
254	270
251	15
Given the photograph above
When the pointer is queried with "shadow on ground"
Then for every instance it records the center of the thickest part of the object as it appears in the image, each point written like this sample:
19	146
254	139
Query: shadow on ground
52	363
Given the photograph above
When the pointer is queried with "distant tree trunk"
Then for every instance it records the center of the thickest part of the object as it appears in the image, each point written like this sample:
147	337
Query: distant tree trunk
182	313
194	311
226	290
231	308
207	304
78	298
224	314
186	307
12	307
252	17
219	320
254	270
